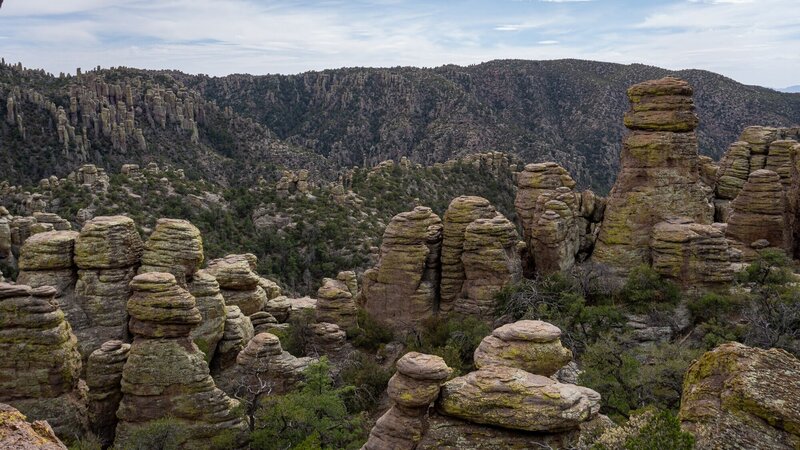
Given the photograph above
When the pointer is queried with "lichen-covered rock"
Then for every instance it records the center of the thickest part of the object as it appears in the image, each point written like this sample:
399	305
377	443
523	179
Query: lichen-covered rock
412	389
490	259
760	211
40	366
531	345
205	290
238	282
280	307
237	333
166	375
512	398
691	253
335	304
401	290
175	247
660	174
348	277
108	242
270	287
326	339
461	212
52	250
103	377
264	322
737	397
18	434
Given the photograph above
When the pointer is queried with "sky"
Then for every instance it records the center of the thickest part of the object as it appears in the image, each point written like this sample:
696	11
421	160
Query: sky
751	41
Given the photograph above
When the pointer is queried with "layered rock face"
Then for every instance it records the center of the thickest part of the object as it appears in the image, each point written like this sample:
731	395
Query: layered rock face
402	290
335	304
238	282
166	375
103	377
740	397
559	224
40	367
459	215
175	247
237	332
205	290
660	175
17	434
761	211
691	253
490	260
413	388
107	253
530	345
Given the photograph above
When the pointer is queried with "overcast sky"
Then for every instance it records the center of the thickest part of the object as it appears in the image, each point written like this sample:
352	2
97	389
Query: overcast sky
752	41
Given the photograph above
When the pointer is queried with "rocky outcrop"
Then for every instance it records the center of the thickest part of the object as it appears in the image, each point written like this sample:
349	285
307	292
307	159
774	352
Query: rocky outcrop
326	339
531	345
412	389
103	377
691	253
237	333
107	253
740	397
660	174
238	282
760	211
402	290
166	375
461	212
335	304
513	398
40	367
18	434
490	260
205	290
175	247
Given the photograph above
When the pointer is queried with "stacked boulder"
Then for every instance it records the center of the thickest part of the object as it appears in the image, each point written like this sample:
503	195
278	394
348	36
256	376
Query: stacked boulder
175	247
412	389
760	215
335	304
166	375
740	397
46	260
238	282
531	345
205	290
660	173
107	253
402	290
237	332
40	367
691	253
103	377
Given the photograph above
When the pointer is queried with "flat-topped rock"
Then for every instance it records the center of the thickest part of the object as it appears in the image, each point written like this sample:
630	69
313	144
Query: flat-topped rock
175	247
108	242
51	250
160	308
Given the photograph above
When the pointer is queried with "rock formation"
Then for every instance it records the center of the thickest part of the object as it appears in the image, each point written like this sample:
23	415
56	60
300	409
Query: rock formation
760	211
103	377
237	333
175	247
17	434
659	175
238	283
40	367
205	290
326	339
530	345
412	389
402	290
740	397
107	253
335	304
490	260
166	375
691	253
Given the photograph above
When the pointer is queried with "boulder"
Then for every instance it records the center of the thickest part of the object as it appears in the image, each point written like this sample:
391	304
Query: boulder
108	242
335	304
238	282
531	345
18	434
691	253
175	247
760	211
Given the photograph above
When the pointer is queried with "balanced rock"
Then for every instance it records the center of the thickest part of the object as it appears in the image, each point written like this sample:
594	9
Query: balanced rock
175	247
401	290
205	290
760	211
18	434
660	174
238	282
740	397
461	212
166	375
691	253
40	367
513	398
531	345
335	304
491	261
103	377
413	388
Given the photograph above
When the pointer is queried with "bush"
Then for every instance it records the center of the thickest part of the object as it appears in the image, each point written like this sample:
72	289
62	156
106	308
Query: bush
645	288
370	334
454	339
161	434
367	377
647	429
771	267
712	305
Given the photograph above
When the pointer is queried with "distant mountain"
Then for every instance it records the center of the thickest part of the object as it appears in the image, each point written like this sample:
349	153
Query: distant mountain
791	89
569	111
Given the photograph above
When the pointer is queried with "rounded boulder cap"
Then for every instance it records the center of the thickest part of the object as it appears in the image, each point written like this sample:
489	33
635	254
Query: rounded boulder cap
528	330
423	367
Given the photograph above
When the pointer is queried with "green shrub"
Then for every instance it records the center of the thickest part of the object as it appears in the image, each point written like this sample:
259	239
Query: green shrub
647	429
454	339
367	377
645	288
712	305
161	434
771	267
370	334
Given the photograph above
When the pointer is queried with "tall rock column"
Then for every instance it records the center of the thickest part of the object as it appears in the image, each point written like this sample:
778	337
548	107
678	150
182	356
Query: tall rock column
103	376
660	175
403	289
166	375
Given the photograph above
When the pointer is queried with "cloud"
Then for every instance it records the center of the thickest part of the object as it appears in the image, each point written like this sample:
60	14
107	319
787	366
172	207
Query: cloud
547	42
